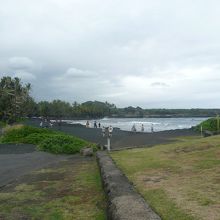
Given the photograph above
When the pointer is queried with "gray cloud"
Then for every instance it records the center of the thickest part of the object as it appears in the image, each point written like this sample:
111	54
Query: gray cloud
79	73
25	76
159	84
125	52
20	63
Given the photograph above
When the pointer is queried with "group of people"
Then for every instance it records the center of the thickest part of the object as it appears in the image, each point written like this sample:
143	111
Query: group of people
46	123
133	128
105	130
110	128
95	125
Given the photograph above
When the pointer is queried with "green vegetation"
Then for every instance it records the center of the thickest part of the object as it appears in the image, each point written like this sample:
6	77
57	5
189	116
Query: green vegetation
15	103
179	180
14	99
59	193
63	144
2	124
163	204
19	134
139	112
59	109
210	125
45	139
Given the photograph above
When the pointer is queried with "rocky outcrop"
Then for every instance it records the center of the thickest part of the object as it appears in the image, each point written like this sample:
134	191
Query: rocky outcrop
87	152
124	203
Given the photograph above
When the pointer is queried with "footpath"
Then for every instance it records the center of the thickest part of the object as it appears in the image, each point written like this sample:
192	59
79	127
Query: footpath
124	203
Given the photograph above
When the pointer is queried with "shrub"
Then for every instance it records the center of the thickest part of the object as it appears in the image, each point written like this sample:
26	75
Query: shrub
62	144
17	134
46	140
2	124
36	138
209	125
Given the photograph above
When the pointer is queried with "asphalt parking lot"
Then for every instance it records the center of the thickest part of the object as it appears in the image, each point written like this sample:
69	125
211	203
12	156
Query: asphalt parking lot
20	159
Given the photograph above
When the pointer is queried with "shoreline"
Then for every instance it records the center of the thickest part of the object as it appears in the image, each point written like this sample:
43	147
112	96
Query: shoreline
157	124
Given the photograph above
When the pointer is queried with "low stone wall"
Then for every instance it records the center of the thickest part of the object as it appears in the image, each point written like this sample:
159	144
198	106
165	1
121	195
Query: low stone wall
123	202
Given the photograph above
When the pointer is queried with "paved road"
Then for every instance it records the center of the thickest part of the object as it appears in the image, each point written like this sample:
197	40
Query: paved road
18	160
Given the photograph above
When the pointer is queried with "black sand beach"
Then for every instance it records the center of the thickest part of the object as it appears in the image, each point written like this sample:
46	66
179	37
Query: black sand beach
121	139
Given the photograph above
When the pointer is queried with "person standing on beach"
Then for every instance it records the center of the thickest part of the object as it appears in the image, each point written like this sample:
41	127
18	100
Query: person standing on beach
87	124
99	125
133	128
95	124
142	128
152	128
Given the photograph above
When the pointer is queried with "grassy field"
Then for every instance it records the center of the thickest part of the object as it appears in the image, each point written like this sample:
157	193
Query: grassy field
70	190
181	181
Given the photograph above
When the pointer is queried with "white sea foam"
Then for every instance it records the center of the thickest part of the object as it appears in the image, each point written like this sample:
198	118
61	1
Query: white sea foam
159	124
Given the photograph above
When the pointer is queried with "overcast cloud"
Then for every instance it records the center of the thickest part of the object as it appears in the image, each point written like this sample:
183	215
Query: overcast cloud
142	53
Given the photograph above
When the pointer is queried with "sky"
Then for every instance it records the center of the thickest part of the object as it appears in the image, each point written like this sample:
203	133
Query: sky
152	54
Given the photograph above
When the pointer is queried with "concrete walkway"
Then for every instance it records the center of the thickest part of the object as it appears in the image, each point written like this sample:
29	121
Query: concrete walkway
124	203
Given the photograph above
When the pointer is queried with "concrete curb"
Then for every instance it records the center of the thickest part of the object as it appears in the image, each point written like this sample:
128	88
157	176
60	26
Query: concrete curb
123	202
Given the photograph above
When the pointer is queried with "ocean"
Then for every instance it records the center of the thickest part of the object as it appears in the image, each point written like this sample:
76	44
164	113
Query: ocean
158	124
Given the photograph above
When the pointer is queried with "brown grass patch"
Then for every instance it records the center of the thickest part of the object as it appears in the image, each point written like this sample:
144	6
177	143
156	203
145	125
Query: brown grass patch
186	175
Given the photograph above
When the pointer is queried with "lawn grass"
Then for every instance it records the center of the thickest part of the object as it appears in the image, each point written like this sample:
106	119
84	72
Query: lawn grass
71	190
179	180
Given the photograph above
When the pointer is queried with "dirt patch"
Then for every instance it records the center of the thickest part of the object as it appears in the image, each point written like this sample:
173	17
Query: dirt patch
52	176
154	179
190	149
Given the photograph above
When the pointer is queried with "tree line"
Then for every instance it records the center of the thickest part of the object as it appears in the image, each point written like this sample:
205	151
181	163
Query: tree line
16	102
